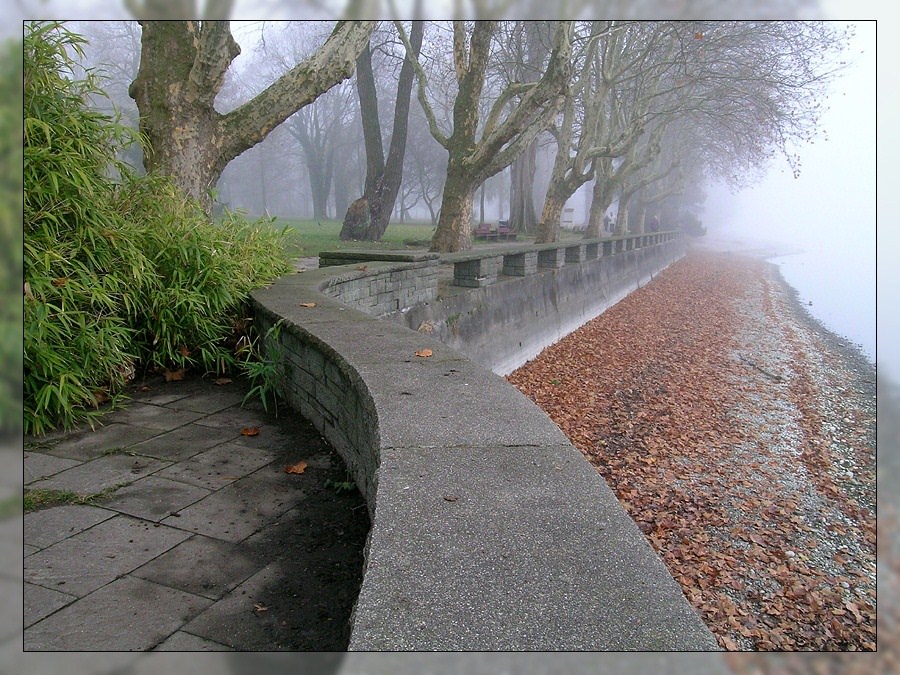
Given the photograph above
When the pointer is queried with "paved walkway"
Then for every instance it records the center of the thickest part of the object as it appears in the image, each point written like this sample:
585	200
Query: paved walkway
201	539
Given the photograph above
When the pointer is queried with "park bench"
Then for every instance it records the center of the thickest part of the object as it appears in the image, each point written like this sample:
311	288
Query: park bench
502	232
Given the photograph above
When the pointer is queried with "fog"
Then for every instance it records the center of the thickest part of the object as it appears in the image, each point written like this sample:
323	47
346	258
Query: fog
829	213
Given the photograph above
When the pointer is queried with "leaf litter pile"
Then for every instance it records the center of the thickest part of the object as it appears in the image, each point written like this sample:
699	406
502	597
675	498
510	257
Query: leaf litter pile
739	441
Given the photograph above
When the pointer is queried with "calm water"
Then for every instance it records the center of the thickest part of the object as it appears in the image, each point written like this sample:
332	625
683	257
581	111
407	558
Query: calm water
838	291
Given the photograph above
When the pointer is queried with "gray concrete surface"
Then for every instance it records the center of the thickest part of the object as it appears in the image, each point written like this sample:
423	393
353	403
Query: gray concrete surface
490	531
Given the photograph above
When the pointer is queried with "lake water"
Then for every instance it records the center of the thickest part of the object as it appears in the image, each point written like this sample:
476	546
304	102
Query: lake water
840	293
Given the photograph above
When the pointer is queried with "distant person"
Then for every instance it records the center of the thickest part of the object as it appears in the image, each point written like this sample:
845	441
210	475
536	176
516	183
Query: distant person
654	224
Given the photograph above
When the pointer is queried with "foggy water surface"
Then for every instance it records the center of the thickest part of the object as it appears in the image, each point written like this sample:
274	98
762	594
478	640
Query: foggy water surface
839	292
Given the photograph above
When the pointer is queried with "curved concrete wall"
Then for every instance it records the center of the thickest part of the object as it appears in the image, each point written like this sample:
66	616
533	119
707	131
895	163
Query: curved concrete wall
489	531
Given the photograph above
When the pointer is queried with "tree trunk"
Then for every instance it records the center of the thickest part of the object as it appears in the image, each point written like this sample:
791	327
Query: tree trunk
601	198
522	216
481	204
557	196
454	228
622	217
183	65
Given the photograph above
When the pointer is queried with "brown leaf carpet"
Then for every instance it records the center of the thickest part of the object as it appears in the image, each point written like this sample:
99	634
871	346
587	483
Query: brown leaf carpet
740	437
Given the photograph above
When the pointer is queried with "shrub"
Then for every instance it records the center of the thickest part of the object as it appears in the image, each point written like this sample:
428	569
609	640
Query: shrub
79	260
10	238
122	272
203	272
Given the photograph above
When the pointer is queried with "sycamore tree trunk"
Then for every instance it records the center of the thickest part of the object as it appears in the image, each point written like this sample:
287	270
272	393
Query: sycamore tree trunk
522	216
454	231
558	193
183	65
601	198
623	218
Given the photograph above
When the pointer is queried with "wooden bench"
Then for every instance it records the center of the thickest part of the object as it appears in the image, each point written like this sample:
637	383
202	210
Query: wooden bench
502	232
485	231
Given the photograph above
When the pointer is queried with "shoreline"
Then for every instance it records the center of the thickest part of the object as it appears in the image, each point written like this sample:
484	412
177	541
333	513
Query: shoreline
768	252
739	433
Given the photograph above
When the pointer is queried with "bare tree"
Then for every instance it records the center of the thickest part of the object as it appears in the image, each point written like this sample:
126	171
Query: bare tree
368	217
504	134
747	90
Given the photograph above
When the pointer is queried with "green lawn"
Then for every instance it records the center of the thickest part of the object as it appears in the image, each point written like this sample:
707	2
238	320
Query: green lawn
310	237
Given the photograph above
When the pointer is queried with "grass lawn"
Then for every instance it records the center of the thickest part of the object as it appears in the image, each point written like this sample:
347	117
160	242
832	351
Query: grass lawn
310	237
307	238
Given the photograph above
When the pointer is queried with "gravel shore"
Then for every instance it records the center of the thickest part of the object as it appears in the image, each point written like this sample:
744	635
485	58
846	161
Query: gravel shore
740	436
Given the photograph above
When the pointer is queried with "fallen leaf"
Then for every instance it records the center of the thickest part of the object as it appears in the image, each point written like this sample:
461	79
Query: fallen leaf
184	351
59	283
307	304
28	293
174	375
299	467
362	268
450	498
223	380
250	431
259	607
424	353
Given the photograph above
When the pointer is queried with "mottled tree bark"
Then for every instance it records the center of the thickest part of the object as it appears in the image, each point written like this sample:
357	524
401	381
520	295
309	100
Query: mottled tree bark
522	215
183	66
454	231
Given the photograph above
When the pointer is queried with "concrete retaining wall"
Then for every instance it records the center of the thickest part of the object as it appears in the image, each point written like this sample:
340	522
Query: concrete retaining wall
503	325
489	529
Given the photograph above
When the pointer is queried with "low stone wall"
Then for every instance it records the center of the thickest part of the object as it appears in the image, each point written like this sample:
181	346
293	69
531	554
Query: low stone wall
489	529
379	283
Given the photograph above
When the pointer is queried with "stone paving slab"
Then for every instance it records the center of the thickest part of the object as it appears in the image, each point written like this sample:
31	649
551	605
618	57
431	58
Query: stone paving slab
235	418
216	468
48	526
40	602
202	566
181	641
155	417
184	442
101	474
38	465
86	444
93	558
154	498
210	402
239	509
132	614
257	615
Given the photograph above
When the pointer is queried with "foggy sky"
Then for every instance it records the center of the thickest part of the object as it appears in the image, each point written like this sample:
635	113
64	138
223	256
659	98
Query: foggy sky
831	209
